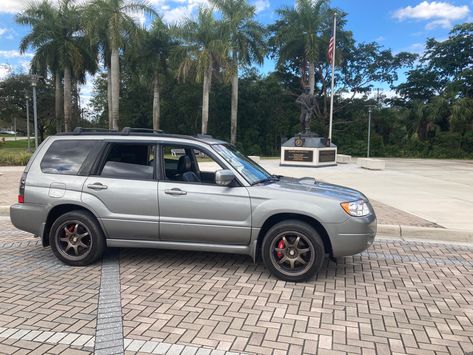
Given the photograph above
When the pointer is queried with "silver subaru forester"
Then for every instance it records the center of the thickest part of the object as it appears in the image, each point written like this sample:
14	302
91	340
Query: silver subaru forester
90	189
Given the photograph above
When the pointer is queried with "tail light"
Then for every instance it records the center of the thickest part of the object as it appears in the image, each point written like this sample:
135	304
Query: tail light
21	194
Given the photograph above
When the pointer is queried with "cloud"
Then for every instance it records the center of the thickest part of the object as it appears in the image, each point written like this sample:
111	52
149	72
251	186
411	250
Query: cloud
7	33
443	23
175	11
261	5
12	6
441	13
177	14
5	71
14	54
416	48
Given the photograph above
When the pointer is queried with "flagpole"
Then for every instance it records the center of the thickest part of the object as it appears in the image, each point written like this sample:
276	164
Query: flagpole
333	75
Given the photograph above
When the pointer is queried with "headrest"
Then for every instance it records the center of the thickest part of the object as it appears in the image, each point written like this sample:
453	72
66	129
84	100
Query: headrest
184	164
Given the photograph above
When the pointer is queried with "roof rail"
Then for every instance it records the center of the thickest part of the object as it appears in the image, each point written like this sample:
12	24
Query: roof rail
128	130
199	135
80	130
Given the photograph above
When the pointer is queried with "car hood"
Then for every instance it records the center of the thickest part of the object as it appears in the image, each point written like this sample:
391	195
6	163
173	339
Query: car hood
311	186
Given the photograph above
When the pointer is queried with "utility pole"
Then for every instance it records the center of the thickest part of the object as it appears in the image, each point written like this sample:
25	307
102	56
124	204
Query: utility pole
34	83
28	120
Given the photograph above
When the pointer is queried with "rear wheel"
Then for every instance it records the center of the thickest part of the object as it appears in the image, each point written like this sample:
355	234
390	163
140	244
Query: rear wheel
77	239
293	251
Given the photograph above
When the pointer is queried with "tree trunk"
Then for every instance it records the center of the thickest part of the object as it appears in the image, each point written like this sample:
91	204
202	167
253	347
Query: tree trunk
311	78
205	98
234	114
58	101
109	97
67	99
115	87
156	101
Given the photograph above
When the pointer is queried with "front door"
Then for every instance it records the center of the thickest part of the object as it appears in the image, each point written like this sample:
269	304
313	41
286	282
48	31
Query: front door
193	208
124	193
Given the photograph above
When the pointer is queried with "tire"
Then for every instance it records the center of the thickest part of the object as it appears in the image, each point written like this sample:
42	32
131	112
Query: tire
293	251
77	239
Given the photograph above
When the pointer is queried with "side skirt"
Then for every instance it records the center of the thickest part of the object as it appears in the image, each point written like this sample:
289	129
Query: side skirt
216	248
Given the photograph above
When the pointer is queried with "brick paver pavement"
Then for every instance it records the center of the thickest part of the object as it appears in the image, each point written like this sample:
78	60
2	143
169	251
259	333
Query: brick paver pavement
40	296
397	297
390	215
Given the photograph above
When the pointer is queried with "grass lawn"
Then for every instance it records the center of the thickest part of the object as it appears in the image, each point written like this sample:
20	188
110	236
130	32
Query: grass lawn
14	152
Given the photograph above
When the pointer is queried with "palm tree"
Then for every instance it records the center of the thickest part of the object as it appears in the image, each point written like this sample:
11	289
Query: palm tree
246	39
111	23
298	34
57	36
203	50
153	57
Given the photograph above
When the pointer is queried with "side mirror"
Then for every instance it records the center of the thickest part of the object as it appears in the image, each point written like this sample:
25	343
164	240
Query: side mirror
224	177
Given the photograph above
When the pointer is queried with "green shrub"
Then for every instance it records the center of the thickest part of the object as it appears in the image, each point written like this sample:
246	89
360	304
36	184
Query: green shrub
467	143
14	157
447	145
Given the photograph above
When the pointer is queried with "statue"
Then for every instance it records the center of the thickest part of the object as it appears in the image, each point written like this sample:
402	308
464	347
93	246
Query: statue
306	101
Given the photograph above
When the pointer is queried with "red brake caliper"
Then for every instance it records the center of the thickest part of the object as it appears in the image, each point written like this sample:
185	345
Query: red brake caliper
280	246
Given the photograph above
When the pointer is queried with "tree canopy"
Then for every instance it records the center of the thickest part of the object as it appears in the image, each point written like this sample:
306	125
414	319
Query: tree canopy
192	76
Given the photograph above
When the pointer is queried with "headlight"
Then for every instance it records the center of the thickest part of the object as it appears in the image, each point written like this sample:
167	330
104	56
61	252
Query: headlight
356	208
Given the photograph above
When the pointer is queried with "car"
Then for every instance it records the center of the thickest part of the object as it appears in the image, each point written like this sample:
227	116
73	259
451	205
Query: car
7	131
90	189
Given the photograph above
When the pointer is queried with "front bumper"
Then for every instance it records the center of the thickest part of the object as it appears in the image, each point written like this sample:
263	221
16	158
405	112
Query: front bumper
353	236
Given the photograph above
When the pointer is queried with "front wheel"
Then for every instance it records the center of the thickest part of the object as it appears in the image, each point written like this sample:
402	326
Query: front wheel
293	251
77	239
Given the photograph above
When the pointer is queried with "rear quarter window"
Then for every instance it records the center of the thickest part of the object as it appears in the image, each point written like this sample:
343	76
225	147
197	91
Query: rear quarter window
65	157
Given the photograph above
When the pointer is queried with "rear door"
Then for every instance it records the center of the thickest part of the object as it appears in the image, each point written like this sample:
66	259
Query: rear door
200	211
123	191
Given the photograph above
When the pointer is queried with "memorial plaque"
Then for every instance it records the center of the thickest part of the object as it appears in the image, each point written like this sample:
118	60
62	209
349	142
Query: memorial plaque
299	155
326	156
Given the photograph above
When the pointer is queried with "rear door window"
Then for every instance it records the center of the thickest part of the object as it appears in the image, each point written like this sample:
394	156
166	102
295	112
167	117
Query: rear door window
65	157
130	161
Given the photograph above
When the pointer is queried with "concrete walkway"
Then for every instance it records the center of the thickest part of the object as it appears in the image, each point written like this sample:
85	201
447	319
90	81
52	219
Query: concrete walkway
439	191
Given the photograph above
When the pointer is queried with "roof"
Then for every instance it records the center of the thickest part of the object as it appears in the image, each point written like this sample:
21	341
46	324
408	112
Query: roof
139	132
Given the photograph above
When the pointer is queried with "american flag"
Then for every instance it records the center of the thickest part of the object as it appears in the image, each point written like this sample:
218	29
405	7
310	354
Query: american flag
331	48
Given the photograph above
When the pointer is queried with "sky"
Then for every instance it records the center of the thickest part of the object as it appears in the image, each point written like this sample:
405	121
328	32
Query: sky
401	25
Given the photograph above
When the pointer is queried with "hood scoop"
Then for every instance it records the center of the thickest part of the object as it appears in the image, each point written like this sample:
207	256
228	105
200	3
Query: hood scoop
307	181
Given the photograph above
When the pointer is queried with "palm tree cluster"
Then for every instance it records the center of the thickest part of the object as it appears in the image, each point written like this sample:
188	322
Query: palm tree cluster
72	40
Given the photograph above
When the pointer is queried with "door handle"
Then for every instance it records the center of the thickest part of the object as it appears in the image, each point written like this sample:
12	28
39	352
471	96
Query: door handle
175	192
97	186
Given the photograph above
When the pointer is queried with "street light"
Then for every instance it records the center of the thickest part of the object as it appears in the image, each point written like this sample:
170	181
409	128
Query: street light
27	97
34	83
370	109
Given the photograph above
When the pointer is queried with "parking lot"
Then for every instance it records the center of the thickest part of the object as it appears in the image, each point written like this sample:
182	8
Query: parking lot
398	296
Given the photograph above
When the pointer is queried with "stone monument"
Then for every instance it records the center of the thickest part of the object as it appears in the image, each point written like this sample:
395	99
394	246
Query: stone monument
307	148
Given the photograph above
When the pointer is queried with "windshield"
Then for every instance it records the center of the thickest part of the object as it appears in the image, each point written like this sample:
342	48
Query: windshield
252	172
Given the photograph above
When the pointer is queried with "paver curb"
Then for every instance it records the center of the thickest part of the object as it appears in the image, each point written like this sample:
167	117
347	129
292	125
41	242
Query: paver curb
412	232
